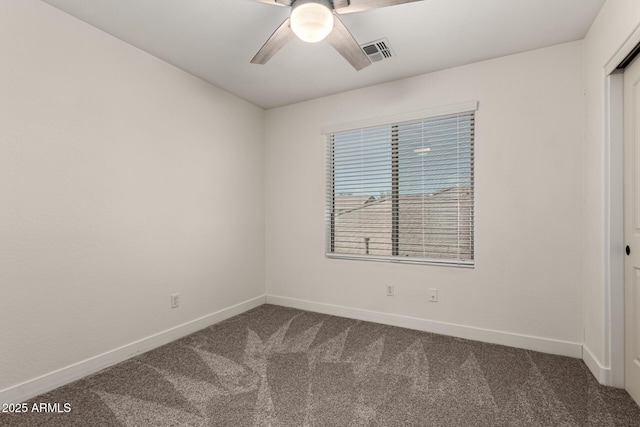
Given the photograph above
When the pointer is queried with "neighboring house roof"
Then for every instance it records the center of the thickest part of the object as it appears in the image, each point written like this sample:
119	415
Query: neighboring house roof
438	224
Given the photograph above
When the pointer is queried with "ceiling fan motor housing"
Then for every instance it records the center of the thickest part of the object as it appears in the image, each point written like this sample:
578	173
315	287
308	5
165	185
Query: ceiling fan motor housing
326	3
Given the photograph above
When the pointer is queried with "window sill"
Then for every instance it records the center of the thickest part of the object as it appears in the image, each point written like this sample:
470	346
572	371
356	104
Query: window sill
403	260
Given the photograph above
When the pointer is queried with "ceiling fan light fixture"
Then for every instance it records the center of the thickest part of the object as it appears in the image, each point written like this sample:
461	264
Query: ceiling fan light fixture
311	21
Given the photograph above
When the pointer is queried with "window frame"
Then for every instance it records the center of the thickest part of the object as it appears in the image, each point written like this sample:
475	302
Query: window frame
327	131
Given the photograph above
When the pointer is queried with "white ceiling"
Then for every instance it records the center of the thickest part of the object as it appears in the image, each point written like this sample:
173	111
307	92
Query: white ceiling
215	39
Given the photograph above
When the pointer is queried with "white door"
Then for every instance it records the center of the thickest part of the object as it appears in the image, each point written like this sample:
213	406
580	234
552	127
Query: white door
632	227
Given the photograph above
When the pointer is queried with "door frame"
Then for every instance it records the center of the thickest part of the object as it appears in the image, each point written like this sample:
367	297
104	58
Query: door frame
613	170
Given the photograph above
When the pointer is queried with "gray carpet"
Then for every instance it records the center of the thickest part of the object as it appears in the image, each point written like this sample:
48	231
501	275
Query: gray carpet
274	366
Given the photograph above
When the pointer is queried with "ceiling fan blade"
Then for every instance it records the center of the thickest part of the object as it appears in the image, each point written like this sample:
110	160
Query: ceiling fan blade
339	4
361	5
278	39
342	40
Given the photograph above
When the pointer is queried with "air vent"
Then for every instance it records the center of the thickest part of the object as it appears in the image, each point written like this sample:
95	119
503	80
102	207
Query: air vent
378	50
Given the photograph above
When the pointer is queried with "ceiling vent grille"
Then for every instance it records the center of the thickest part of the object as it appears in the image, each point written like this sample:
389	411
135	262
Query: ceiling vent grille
378	50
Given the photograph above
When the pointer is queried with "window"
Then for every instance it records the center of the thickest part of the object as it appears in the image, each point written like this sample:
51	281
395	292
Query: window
403	190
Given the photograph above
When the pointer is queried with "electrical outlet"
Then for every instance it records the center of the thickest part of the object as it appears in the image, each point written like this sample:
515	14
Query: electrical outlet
433	295
391	289
175	300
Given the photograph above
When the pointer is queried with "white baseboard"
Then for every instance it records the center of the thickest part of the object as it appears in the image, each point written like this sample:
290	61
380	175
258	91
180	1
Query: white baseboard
55	379
544	345
602	374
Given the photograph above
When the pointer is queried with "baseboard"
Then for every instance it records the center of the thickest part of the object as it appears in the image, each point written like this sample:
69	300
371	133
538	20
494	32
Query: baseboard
55	379
602	374
545	345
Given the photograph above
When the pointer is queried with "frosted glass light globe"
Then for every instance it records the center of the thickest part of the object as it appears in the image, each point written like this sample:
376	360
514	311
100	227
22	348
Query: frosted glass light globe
311	22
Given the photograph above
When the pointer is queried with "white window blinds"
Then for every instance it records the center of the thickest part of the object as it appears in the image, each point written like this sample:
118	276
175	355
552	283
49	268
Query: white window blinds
402	191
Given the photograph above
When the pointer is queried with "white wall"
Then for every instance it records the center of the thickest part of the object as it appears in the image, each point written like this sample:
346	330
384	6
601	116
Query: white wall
529	216
615	23
122	180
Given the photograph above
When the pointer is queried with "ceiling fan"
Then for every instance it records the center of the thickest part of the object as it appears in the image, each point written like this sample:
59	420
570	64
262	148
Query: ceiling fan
314	20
